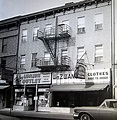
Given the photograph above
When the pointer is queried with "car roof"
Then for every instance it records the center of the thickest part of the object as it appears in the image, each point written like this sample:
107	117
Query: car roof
110	100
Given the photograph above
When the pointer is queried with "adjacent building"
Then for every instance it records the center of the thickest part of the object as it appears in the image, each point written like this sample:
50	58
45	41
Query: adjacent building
9	35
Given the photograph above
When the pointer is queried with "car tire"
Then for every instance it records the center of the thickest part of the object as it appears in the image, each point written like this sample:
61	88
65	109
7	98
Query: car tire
85	117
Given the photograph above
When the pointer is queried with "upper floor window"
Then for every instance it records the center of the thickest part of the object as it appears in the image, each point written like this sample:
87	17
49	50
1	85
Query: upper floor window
34	59
4	46
22	62
64	57
80	54
24	35
35	33
81	25
48	30
98	21
98	53
66	25
3	62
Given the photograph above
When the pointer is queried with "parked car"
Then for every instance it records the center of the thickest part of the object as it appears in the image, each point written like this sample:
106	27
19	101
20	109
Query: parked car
106	111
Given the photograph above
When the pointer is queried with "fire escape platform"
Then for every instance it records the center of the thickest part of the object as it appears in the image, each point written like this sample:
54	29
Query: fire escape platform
53	67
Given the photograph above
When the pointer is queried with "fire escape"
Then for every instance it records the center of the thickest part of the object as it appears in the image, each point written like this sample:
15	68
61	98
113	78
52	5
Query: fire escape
51	38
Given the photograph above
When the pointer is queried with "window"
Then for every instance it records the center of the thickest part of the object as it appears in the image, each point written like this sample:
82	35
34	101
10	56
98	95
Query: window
47	58
66	25
64	57
80	54
98	21
4	46
24	35
81	25
22	62
35	33
98	53
3	62
34	58
48	29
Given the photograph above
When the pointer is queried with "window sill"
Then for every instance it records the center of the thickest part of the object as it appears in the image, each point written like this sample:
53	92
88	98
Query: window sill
81	33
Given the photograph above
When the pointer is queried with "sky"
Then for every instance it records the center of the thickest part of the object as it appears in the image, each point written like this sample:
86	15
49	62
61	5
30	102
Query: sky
12	8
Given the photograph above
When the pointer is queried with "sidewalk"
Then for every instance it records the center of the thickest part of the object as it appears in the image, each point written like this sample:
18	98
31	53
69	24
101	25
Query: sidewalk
33	114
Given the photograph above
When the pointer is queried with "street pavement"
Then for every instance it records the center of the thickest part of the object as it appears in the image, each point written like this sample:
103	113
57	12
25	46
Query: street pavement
35	115
4	117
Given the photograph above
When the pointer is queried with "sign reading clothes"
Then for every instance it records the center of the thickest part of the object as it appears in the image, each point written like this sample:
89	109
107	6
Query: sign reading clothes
98	76
32	78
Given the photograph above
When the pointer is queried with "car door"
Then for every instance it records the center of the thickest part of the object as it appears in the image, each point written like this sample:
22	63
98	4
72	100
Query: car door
106	113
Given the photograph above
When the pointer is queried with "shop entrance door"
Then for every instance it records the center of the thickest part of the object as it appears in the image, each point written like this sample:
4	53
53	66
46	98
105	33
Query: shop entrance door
30	93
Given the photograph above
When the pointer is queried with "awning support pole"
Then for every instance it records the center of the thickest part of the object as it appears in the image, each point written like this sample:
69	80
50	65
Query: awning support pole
36	100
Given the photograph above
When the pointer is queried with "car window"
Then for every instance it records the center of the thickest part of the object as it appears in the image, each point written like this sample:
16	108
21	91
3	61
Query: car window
113	104
104	105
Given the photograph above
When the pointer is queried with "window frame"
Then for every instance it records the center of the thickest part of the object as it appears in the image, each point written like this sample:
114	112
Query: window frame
4	46
81	27
98	24
34	59
35	33
24	36
23	61
81	54
98	56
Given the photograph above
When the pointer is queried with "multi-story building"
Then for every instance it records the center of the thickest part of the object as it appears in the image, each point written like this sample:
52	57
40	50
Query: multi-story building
8	59
65	57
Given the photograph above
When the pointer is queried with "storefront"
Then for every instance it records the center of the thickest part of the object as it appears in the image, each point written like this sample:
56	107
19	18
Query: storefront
32	91
68	91
5	93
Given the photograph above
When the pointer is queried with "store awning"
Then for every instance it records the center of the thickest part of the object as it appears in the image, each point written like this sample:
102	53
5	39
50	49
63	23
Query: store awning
95	87
3	87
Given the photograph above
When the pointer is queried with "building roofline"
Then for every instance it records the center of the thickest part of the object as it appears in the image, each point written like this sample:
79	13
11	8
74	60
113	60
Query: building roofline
9	21
63	8
51	11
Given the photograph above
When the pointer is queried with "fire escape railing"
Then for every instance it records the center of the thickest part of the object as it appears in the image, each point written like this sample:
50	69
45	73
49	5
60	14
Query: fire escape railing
63	31
44	61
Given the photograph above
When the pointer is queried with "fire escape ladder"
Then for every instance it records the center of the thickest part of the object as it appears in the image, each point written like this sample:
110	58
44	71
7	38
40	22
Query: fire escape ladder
48	47
41	36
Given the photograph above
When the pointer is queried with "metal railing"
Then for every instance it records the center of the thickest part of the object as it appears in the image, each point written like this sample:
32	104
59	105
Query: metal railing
65	60
63	30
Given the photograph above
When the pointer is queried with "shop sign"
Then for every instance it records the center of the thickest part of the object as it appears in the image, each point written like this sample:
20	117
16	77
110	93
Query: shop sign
80	71
98	76
32	78
65	77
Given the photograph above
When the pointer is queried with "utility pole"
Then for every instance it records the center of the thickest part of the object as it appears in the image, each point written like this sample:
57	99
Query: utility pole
113	48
